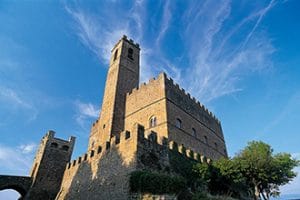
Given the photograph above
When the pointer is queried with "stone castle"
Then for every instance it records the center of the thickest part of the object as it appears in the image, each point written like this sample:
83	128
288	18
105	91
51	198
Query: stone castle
137	127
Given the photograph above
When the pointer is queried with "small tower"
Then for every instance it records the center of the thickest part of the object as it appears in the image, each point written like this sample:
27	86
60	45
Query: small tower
49	166
122	77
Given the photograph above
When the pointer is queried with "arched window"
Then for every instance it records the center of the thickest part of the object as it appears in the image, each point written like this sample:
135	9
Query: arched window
65	148
205	139
116	55
152	121
216	145
178	123
54	144
194	132
130	53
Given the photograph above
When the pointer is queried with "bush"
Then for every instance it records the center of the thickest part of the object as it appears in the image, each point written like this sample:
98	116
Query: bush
156	183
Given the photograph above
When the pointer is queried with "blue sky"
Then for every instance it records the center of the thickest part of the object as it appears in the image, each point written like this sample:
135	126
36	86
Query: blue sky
239	58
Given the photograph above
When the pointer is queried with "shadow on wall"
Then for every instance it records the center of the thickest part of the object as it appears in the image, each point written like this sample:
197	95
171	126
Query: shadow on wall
104	175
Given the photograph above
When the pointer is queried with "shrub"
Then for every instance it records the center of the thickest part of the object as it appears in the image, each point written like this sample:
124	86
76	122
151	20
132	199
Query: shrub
156	183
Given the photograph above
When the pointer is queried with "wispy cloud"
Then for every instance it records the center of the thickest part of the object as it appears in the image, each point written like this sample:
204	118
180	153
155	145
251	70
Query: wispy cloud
85	112
216	69
94	36
17	160
217	54
15	102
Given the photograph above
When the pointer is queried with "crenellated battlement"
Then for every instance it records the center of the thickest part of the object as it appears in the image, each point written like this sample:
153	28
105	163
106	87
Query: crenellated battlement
146	85
129	40
101	150
143	140
191	98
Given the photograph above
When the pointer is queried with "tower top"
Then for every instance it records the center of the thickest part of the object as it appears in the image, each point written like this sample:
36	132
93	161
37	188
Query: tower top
130	41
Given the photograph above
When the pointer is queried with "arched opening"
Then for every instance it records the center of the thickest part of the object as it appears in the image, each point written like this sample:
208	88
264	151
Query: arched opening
178	123
152	122
194	132
65	148
10	194
116	55
130	53
54	145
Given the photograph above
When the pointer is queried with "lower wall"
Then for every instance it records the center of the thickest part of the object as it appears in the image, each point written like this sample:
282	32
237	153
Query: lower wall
105	175
152	197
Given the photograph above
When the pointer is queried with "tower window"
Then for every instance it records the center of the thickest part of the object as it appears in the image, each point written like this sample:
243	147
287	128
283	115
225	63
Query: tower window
178	123
130	53
127	135
54	144
216	145
152	121
65	148
205	139
194	132
116	55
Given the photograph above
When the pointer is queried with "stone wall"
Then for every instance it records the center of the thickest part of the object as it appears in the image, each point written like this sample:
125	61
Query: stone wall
200	130
152	197
122	77
103	172
146	101
49	166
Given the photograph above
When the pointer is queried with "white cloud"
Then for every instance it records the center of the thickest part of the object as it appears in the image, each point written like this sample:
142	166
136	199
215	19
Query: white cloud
217	63
87	109
14	101
219	55
100	40
17	160
85	112
28	148
12	97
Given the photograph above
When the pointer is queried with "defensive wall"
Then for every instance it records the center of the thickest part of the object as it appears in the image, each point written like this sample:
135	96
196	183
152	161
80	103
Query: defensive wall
103	173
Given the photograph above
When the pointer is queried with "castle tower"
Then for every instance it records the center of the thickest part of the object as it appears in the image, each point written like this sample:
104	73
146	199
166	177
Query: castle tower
49	166
122	77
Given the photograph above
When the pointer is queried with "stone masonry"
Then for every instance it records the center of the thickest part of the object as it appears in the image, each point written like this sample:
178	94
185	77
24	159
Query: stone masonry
137	128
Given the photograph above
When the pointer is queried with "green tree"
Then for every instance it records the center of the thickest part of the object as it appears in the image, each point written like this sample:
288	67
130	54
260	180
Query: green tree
264	171
222	177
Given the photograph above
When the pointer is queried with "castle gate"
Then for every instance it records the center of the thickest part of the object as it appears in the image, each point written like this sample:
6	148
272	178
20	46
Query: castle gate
19	183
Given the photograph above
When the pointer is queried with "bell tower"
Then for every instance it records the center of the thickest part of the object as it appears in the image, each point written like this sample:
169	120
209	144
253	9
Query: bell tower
122	77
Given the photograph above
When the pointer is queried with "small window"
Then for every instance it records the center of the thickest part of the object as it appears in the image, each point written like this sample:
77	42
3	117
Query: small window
194	132
116	55
103	126
127	135
99	149
152	121
117	141
92	153
54	144
205	139
65	148
107	145
178	123
130	53
216	145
